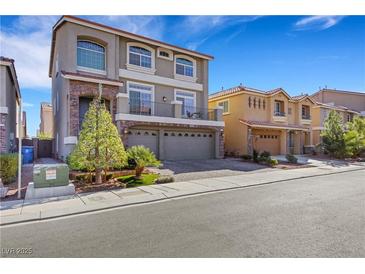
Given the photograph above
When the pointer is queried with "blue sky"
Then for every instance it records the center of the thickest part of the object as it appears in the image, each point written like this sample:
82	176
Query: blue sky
297	53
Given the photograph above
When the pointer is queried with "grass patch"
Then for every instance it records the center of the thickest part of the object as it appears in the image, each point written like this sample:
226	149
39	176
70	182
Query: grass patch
131	181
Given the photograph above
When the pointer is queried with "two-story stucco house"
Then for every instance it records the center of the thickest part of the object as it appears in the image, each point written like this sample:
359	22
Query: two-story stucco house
9	106
346	103
157	93
270	121
46	116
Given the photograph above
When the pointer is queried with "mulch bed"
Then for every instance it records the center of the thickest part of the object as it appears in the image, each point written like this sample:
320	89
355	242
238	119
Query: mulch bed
82	187
285	165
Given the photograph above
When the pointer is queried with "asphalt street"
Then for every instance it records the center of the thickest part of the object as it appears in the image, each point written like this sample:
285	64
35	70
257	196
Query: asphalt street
315	217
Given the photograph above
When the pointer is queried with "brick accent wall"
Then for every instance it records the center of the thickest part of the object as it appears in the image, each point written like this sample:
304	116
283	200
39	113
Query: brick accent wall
86	89
3	137
123	127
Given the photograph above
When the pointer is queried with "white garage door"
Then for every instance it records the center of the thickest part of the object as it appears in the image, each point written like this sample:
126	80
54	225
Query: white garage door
145	137
186	145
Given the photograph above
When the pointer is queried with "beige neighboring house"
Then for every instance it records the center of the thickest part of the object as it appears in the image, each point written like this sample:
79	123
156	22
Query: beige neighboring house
348	99
46	115
259	120
346	103
156	92
9	105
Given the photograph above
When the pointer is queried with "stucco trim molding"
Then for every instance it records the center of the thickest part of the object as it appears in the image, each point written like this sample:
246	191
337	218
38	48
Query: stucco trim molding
4	110
70	140
85	78
167	120
155	79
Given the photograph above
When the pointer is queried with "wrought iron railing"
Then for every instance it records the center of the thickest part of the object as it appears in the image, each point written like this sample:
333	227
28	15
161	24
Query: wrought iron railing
306	117
279	113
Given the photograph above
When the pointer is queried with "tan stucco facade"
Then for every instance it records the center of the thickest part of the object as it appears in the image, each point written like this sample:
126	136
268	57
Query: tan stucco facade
71	83
46	115
253	121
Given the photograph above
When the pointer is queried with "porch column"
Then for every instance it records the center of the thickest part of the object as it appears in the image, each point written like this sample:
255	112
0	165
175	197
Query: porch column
161	149
249	141
177	107
122	103
218	113
283	142
298	143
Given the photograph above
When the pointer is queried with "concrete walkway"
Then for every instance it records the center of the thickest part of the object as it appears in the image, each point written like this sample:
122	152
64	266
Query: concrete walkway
19	211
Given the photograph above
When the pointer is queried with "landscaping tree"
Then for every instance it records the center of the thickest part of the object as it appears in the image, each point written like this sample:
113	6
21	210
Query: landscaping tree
355	137
99	147
44	136
142	157
333	135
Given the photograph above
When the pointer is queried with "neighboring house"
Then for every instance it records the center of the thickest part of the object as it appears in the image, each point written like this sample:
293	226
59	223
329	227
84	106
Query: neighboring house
320	113
9	105
46	115
349	99
157	93
345	103
269	121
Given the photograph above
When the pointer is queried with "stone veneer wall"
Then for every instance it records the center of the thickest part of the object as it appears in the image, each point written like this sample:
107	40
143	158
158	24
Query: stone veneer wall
86	89
3	137
123	127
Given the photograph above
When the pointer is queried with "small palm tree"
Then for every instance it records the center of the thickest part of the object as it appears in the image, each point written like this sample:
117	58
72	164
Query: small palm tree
143	157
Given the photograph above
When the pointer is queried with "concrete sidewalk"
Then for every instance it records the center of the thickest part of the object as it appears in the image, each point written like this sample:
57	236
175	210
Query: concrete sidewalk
19	211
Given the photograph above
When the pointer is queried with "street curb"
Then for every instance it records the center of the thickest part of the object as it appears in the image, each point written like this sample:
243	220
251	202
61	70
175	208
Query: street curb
171	198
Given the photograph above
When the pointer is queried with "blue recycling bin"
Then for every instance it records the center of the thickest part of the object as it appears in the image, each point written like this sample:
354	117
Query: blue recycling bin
27	155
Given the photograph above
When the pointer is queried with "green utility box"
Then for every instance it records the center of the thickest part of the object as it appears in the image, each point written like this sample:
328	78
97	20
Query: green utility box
50	175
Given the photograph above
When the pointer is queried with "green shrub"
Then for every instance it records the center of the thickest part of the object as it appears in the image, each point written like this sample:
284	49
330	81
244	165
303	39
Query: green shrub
291	158
265	156
143	157
272	162
246	157
164	179
8	167
255	156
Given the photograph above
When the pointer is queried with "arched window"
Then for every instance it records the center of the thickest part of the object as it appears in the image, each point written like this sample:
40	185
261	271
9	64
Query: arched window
139	56
249	101
185	67
259	103
263	103
90	56
254	102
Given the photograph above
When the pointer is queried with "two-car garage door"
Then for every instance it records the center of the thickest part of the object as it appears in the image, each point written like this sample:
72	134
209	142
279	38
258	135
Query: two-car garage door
177	145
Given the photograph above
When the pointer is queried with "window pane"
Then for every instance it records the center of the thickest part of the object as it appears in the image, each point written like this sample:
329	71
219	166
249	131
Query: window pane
139	50
90	59
179	69
134	59
145	61
184	94
189	71
184	62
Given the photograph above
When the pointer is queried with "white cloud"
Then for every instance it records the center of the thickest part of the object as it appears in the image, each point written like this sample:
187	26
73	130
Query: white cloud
195	30
28	41
27	105
317	22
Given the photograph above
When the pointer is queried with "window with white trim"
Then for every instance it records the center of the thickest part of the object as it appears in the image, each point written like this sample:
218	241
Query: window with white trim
139	56
184	67
225	105
188	102
90	55
140	98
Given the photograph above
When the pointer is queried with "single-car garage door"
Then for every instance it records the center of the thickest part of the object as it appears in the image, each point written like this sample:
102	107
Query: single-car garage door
145	137
267	142
186	145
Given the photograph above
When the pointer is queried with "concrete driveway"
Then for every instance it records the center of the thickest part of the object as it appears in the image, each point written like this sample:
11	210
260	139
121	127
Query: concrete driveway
200	169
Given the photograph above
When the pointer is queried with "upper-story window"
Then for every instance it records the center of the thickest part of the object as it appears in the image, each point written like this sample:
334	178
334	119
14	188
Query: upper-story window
225	105
90	56
140	57
279	108
165	54
188	100
305	112
185	68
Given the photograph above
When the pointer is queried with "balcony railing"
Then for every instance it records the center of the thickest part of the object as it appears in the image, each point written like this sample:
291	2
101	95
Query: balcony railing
279	113
150	108
306	117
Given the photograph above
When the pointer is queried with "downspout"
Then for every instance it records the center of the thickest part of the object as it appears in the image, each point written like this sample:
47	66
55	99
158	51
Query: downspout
20	149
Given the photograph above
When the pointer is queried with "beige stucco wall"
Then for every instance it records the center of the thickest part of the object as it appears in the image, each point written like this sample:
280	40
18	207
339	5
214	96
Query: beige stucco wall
350	100
235	133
